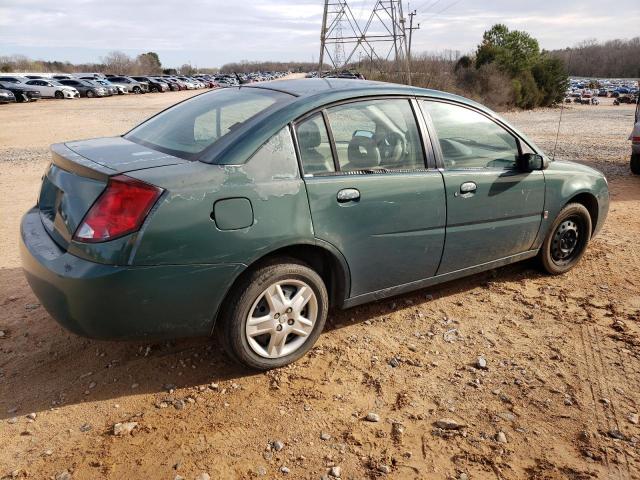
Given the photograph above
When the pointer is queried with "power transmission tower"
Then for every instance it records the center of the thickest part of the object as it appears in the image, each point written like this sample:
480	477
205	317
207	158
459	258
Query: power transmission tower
385	25
337	17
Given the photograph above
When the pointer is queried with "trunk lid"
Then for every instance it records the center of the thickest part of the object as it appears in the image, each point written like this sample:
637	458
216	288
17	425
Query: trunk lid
121	155
79	173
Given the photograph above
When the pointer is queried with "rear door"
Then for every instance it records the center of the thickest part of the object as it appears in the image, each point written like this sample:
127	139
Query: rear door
494	210
371	193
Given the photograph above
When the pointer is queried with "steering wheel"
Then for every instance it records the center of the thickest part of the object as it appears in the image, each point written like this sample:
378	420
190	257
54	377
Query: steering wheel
391	147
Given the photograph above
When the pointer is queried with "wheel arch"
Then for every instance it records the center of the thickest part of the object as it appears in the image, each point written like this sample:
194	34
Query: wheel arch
324	258
590	202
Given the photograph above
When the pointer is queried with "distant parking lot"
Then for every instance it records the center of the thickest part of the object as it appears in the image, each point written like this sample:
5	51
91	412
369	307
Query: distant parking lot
557	398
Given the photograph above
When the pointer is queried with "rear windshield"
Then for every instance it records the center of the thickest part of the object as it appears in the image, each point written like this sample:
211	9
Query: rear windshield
191	127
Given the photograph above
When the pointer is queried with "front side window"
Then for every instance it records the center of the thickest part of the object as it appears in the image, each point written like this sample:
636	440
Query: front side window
468	139
315	149
190	127
376	134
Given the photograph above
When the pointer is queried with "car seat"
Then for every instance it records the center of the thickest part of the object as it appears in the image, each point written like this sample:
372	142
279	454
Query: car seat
309	139
363	153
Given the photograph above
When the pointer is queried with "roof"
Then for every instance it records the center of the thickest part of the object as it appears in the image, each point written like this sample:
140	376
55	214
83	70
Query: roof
312	86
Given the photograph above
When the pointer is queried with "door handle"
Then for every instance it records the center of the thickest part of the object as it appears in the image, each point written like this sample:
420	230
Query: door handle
348	195
468	187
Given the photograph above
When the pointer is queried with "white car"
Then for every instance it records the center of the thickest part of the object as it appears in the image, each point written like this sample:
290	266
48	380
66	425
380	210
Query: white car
53	89
188	82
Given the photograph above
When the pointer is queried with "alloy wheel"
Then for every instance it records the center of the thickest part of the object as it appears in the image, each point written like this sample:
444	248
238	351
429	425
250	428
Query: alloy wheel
281	319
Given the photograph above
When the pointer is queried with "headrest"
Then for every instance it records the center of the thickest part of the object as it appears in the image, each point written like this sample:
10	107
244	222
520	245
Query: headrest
309	135
363	153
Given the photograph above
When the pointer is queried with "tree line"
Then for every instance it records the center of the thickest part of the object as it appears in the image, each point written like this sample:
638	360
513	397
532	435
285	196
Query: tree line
610	59
115	62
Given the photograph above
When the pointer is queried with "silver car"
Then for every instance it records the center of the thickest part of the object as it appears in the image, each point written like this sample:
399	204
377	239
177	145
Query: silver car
132	85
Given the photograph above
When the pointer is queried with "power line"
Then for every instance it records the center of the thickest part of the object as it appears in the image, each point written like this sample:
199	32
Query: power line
431	5
451	5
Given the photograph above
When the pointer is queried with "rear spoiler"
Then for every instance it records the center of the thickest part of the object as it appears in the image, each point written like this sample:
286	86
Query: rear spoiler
68	160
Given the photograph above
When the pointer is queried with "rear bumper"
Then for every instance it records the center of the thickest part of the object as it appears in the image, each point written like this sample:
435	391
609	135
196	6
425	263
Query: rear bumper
121	302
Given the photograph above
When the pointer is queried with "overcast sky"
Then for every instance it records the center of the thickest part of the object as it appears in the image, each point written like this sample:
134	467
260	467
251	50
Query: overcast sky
211	33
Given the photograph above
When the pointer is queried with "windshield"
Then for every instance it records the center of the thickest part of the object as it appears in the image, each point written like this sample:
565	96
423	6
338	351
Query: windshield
194	125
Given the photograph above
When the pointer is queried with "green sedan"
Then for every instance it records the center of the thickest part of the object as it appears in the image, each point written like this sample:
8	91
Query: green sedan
248	212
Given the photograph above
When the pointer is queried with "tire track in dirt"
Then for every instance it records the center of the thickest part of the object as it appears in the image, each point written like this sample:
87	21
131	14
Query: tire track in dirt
604	401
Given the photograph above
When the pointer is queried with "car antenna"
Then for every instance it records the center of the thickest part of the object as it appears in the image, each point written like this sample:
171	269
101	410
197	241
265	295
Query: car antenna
555	147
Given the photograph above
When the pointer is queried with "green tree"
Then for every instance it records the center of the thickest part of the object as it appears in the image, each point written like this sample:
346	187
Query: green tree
551	78
537	78
527	94
463	62
513	50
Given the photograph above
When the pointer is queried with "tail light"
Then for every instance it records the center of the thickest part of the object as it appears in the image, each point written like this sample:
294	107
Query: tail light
119	210
635	139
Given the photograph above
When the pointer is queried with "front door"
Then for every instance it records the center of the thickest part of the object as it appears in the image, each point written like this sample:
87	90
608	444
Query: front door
370	193
494	210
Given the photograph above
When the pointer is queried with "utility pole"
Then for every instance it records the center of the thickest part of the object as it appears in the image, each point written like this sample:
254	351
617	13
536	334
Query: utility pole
411	29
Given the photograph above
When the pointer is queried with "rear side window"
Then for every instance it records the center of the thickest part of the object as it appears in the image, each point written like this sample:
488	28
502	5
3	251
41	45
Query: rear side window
190	127
315	149
468	139
376	134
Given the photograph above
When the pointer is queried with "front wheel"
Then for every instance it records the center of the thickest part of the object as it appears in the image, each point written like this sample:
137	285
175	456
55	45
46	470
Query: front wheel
274	315
635	164
59	95
567	239
137	90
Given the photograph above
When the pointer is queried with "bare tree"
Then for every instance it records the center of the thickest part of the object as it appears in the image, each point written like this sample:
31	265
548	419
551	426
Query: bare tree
119	63
614	58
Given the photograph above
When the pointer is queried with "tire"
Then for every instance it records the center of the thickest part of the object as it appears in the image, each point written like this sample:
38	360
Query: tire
90	94
59	95
567	239
280	344
635	164
137	90
154	90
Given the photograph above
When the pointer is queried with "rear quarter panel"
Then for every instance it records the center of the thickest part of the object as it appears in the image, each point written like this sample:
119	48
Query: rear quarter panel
182	231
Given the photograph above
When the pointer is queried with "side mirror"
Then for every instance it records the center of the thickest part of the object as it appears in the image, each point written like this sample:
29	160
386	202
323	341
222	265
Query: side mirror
532	161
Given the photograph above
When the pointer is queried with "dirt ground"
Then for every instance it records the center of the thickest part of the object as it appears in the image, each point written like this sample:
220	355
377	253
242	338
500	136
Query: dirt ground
558	399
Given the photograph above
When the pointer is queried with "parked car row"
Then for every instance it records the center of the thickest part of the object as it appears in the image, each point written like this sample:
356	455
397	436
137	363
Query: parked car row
602	87
344	74
31	87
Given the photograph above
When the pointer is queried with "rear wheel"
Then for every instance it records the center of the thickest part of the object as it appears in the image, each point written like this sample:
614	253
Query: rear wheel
59	95
137	90
567	239
635	164
90	94
274	315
